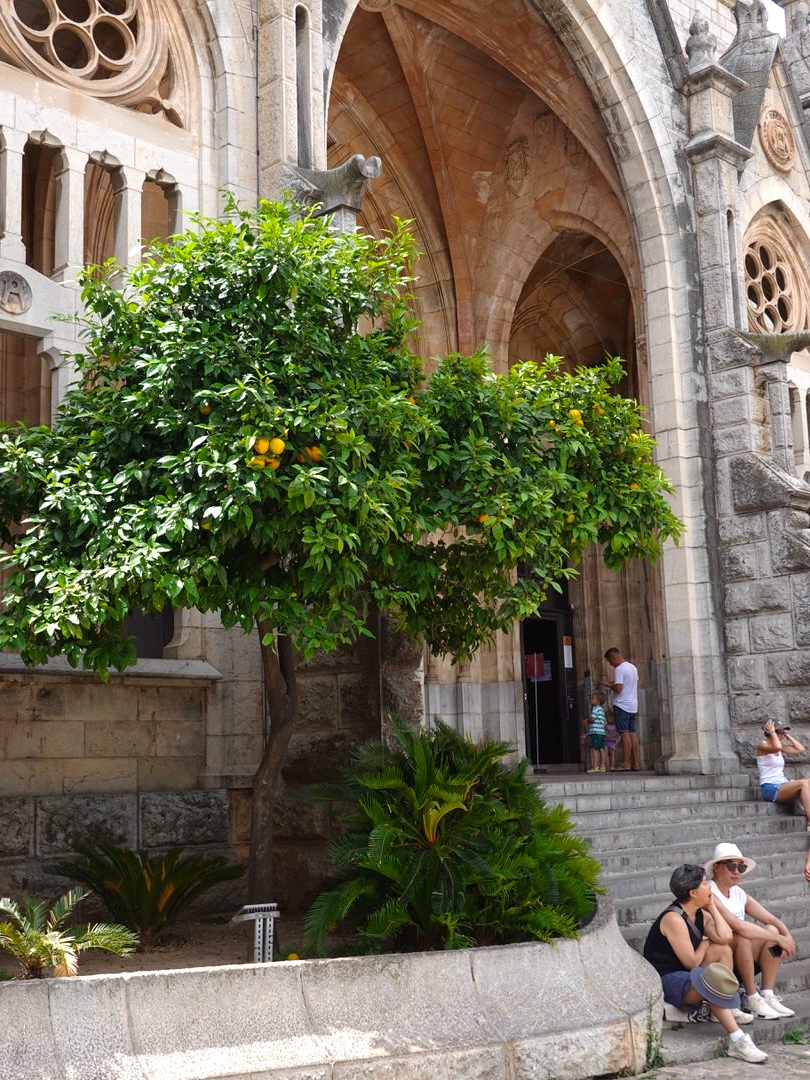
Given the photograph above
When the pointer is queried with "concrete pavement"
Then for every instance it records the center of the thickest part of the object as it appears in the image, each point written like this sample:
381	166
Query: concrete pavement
784	1063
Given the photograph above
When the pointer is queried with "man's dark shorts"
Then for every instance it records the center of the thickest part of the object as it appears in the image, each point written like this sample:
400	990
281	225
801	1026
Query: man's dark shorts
624	721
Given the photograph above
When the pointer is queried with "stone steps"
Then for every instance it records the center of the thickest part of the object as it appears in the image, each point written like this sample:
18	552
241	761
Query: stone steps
641	826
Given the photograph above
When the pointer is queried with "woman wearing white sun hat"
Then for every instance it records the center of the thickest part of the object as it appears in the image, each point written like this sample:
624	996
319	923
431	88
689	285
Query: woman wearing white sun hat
763	943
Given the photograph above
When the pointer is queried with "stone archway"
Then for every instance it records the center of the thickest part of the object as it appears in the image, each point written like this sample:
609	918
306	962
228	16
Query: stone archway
518	206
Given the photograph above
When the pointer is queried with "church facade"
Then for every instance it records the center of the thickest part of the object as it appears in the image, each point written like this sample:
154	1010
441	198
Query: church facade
583	178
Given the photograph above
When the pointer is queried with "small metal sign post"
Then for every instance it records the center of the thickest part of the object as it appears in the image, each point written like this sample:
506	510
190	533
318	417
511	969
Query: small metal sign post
263	916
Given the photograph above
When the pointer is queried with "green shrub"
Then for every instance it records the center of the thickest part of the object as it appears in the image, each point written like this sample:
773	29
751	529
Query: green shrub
447	847
37	939
146	892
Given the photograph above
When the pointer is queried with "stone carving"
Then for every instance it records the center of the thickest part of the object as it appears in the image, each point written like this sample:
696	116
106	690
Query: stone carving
15	293
574	150
376	5
517	165
545	128
777	139
701	45
340	191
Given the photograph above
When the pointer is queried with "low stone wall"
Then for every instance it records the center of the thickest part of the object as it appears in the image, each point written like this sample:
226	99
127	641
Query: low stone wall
570	1010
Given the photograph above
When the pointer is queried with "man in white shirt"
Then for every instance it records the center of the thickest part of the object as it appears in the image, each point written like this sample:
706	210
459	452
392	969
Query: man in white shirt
763	944
625	707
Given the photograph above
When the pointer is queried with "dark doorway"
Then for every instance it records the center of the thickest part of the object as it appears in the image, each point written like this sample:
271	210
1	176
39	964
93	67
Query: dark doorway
553	724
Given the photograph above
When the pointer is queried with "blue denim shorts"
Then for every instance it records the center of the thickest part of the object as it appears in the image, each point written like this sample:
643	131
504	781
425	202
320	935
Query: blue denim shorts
676	985
624	721
769	791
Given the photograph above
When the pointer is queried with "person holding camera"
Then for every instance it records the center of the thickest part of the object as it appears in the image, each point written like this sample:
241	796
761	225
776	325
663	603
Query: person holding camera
761	944
773	783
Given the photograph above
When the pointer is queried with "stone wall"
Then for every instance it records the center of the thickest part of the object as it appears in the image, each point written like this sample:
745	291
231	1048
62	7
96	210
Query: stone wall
446	1015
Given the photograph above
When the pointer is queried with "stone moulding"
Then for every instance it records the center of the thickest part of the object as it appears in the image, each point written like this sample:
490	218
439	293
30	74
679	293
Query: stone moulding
571	1009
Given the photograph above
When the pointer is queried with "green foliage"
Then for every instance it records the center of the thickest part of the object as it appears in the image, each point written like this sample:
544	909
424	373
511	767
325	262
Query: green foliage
36	937
419	495
447	847
795	1037
146	892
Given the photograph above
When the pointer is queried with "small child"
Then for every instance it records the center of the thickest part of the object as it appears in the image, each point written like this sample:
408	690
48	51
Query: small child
596	732
611	741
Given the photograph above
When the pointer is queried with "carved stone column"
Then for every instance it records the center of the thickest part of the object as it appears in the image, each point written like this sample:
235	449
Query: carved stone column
69	224
11	245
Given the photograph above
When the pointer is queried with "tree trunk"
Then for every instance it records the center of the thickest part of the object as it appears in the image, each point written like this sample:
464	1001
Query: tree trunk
281	690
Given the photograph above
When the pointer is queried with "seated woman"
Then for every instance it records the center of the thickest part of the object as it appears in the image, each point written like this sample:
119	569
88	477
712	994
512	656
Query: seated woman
689	945
773	783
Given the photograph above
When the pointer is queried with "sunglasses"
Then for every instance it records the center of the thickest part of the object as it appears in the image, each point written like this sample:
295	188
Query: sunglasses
740	867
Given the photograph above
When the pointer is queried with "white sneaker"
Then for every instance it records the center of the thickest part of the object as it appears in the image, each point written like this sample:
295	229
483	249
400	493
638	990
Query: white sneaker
774	1002
740	1016
761	1009
674	1014
745	1050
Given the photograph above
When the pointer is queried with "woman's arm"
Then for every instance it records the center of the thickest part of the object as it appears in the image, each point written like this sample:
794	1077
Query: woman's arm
791	745
771	744
674	930
715	926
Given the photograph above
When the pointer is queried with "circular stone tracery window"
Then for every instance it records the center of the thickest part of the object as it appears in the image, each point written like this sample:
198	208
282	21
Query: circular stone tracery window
114	49
774	284
94	39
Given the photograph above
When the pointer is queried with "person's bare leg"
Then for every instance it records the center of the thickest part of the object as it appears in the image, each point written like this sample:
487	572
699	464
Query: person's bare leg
718	954
769	966
744	964
807	867
634	750
796	789
624	739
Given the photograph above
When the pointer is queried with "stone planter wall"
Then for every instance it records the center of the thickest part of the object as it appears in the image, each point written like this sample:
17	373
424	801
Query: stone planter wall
571	1010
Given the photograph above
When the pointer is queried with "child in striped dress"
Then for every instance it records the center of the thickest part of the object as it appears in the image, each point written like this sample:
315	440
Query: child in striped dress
596	732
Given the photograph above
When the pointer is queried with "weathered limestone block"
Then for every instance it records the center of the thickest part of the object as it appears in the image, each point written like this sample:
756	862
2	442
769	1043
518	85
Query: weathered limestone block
752	598
317	702
759	484
747	672
789	540
757	708
771	632
791	669
358	695
737	636
184	817
17	833
64	822
801	608
739	563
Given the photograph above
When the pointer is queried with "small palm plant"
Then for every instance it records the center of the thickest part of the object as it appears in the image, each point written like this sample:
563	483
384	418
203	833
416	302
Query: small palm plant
146	892
447	847
35	935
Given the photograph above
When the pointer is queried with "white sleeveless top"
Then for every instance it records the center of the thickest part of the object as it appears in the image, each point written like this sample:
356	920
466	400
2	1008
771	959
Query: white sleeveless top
771	768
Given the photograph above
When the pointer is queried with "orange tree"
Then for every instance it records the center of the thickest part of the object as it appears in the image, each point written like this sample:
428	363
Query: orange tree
251	435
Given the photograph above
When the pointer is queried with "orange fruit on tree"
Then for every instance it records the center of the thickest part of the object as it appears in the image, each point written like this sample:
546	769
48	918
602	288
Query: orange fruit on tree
277	446
315	453
574	414
257	462
273	462
300	457
634	487
206	410
206	525
261	445
483	517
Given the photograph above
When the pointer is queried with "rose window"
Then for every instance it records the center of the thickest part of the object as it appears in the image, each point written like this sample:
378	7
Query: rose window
775	285
95	39
119	50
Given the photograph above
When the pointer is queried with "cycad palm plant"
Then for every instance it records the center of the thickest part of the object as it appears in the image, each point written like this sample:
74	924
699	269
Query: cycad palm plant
446	846
147	892
35	935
